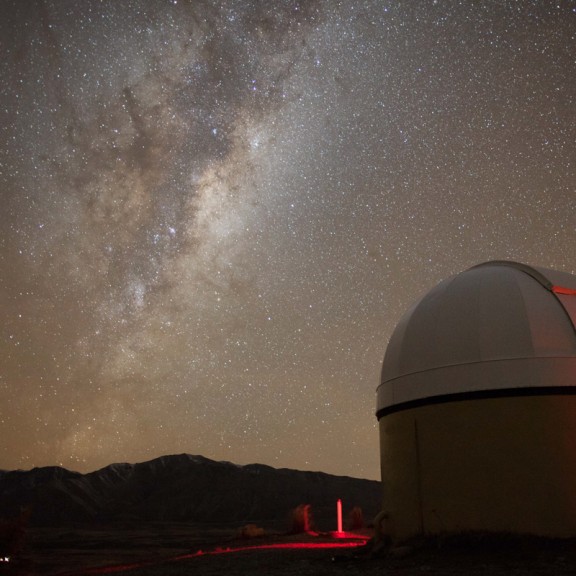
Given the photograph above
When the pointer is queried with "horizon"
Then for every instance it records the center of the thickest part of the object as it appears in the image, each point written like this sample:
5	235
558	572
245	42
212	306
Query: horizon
210	460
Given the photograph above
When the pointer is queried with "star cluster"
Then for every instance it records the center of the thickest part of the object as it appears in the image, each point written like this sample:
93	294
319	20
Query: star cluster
213	213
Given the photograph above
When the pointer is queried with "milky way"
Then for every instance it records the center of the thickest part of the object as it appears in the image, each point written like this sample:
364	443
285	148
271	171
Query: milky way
213	213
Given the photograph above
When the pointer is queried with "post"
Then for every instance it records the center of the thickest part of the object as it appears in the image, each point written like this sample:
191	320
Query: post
339	514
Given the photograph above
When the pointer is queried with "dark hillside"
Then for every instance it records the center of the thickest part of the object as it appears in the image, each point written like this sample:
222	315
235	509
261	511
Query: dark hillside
181	488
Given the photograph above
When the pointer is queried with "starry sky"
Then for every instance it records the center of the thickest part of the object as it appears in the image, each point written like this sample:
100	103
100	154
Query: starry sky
213	213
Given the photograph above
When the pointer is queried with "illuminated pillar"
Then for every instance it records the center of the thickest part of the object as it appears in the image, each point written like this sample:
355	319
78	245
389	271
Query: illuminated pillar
339	514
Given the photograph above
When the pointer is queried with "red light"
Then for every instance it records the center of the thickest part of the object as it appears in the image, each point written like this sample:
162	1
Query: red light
339	515
280	546
360	541
563	290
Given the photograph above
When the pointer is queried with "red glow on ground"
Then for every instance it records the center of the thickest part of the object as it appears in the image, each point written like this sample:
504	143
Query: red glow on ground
562	290
358	540
279	546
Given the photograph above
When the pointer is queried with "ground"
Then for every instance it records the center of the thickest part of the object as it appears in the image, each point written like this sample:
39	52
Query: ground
181	549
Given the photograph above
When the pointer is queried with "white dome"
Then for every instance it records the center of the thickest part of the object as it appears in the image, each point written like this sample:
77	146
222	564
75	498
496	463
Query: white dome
495	328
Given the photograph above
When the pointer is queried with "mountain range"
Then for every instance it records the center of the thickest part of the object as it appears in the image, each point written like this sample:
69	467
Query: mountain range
181	488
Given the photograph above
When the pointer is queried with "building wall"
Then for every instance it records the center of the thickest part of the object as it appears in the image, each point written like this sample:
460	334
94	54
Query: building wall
500	465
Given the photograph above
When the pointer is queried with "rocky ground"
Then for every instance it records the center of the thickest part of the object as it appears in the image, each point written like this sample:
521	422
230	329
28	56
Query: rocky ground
174	549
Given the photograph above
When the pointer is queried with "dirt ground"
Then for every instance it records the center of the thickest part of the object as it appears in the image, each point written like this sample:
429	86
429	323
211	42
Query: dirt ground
163	550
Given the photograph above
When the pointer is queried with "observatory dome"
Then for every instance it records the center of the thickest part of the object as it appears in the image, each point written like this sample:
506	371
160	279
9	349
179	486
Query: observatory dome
500	328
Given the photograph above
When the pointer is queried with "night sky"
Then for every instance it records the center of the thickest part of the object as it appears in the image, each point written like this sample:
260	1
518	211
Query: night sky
213	213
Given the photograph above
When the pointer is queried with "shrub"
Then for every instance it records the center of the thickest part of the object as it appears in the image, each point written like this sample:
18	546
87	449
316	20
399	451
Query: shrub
301	519
356	518
251	531
13	534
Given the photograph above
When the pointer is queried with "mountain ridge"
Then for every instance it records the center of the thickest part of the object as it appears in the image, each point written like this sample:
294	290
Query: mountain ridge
181	487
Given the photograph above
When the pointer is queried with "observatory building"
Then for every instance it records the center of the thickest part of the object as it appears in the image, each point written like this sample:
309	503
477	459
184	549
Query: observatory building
477	406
